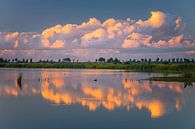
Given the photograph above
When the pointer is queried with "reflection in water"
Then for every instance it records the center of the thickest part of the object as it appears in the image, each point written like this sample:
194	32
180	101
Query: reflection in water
188	84
19	81
111	91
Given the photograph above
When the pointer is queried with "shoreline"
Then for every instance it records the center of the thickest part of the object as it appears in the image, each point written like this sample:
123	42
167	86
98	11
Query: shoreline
132	67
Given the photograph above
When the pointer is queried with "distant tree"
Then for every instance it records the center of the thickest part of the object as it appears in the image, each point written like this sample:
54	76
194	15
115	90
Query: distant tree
66	60
5	60
186	60
169	60
16	59
101	59
181	60
149	60
177	60
173	60
134	60
142	60
117	61
157	59
30	60
1	60
110	60
59	60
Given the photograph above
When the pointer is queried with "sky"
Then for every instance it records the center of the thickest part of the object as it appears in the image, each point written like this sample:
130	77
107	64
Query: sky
88	29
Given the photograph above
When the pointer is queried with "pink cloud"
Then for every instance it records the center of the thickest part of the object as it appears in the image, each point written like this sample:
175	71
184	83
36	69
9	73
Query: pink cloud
190	53
160	30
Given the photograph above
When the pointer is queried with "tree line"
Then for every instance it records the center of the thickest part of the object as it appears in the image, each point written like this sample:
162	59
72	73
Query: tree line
102	60
146	60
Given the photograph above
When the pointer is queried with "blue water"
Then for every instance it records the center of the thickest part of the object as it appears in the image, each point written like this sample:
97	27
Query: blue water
92	99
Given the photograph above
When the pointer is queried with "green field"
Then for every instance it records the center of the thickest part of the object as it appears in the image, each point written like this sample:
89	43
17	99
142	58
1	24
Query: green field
139	67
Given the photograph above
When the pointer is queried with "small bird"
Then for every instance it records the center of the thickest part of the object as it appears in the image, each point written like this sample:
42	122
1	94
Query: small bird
95	80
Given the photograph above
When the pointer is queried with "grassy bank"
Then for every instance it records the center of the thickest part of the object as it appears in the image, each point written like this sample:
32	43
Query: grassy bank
173	79
140	67
187	78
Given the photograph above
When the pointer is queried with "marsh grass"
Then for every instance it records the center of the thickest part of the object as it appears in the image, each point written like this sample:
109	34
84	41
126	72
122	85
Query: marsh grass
139	67
187	78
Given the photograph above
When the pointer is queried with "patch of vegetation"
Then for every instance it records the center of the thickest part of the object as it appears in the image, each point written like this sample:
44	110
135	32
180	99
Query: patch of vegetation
139	67
187	78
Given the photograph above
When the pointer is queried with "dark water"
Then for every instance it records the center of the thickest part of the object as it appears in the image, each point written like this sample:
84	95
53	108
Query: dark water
92	99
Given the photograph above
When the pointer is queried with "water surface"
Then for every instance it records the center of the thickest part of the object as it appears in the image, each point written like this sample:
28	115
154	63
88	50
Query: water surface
92	99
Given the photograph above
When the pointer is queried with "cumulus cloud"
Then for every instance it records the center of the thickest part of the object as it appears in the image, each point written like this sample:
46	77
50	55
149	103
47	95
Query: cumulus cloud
160	30
136	40
156	20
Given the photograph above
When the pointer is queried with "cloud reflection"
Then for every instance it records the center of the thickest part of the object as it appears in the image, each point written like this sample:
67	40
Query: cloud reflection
158	98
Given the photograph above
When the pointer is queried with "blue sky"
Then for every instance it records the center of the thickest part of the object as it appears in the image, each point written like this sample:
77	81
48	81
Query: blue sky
35	15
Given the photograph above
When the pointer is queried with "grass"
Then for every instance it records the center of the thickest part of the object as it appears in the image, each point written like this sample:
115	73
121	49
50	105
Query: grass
180	78
139	67
187	78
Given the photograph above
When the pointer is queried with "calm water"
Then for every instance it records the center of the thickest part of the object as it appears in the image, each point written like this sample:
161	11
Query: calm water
92	99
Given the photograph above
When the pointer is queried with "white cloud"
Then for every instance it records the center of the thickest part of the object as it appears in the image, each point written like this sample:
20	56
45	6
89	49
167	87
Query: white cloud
156	20
135	40
159	30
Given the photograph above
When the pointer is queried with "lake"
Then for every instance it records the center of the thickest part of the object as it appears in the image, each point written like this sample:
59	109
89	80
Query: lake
92	99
